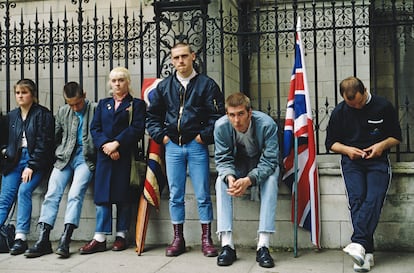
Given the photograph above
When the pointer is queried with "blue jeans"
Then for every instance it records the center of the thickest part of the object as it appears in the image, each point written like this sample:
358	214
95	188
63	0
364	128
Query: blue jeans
10	186
367	183
104	218
177	158
268	199
58	181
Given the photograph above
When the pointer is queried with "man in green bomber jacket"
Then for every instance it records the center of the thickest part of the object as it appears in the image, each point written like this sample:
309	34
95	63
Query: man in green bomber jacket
75	159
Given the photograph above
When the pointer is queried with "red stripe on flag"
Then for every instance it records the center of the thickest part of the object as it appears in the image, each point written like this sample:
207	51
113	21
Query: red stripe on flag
155	177
299	124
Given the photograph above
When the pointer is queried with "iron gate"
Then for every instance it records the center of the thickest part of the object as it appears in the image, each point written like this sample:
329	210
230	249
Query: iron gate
246	46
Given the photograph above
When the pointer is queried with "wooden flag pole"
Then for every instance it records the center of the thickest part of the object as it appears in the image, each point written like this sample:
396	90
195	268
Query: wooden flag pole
142	224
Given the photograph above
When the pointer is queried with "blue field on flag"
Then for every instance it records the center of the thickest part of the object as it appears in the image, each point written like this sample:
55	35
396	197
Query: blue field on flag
299	127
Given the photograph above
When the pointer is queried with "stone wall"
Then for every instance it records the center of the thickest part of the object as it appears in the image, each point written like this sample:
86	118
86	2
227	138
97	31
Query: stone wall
394	230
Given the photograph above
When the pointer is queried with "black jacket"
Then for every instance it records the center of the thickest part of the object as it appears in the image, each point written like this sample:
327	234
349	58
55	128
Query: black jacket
39	127
3	131
203	104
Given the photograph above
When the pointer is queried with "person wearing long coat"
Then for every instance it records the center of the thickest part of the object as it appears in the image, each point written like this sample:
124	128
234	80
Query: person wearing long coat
114	136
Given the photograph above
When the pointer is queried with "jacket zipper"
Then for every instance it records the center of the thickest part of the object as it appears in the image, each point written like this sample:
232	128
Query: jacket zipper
180	114
215	105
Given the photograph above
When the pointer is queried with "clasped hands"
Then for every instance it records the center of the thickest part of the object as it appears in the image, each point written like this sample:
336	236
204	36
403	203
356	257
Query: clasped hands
237	187
373	151
111	149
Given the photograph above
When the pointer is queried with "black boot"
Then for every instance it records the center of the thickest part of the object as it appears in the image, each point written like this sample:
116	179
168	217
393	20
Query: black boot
63	248
43	245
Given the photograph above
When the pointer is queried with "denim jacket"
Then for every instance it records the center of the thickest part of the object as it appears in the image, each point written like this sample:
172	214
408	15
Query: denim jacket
265	133
66	135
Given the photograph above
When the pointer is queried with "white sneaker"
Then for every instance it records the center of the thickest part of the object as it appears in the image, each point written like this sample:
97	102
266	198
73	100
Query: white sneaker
357	253
368	263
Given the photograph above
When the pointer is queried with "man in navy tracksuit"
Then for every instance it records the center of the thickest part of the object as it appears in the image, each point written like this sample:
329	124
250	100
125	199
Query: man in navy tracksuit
363	128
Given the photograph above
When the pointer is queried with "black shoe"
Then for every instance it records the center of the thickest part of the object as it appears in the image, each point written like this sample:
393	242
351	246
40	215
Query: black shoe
227	256
263	258
63	250
39	249
19	247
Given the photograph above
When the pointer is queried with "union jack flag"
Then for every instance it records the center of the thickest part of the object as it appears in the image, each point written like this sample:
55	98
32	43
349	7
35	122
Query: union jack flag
155	178
299	124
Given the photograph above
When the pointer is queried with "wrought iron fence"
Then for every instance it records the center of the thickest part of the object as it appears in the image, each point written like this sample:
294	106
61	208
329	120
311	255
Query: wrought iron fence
249	47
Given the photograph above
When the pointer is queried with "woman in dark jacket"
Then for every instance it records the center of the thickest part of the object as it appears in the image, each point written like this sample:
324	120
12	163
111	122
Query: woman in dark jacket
27	157
114	137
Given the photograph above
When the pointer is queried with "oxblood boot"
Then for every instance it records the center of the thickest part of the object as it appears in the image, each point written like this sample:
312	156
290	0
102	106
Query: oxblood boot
177	246
63	248
43	245
207	246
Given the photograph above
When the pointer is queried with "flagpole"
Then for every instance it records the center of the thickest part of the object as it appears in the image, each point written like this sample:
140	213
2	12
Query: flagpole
300	164
295	182
141	224
295	189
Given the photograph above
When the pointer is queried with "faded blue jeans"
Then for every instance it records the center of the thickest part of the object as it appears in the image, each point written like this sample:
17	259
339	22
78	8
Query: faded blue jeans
11	184
59	179
194	156
268	199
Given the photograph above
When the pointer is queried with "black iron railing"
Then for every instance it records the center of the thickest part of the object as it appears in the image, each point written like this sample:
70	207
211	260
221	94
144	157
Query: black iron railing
249	48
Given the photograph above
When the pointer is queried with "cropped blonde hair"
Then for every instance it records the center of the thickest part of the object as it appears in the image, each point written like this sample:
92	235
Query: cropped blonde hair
119	73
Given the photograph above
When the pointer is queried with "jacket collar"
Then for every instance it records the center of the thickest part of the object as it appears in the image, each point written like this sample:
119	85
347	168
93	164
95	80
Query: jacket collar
124	104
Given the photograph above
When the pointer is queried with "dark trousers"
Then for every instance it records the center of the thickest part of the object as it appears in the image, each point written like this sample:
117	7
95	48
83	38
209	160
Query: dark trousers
366	183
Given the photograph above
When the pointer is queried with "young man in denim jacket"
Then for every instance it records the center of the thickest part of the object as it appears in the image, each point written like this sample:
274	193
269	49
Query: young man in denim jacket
246	155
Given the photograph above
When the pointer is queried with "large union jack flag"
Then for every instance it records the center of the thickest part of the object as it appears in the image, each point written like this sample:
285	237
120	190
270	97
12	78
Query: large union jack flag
299	125
155	178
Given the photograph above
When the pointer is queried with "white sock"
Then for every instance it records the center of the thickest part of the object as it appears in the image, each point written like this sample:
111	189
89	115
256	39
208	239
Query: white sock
264	240
121	234
227	239
21	236
99	237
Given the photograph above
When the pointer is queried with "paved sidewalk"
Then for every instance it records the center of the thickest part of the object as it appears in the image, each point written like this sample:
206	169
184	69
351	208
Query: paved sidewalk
153	260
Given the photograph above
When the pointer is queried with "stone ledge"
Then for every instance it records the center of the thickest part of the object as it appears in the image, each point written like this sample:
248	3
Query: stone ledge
394	230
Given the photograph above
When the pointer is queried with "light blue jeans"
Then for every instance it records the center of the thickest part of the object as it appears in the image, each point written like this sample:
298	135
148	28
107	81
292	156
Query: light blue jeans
104	218
11	184
268	199
58	181
194	156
